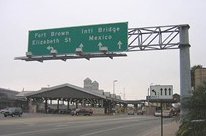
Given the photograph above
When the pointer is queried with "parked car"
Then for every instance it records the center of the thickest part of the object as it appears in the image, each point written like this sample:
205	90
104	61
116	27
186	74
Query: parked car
82	112
130	112
3	110
165	114
65	111
140	112
13	111
157	113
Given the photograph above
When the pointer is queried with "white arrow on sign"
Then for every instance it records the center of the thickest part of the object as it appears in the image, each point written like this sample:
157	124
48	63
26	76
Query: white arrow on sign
100	45
50	48
119	44
81	46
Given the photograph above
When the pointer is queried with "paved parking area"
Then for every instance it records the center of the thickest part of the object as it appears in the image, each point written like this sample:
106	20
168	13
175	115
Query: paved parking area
33	119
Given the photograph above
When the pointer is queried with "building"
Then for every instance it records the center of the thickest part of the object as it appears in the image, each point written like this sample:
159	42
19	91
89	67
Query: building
65	97
7	98
199	77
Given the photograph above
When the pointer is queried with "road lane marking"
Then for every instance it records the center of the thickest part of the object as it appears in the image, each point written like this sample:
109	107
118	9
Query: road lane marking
106	130
63	126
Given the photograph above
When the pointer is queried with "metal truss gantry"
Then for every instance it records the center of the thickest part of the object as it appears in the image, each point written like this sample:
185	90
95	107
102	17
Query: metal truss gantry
154	38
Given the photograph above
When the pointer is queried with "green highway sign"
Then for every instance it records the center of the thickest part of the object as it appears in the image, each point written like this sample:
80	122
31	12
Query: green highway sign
86	39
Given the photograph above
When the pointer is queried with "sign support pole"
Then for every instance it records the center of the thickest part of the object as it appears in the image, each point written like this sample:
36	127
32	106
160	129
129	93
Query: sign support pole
161	118
185	75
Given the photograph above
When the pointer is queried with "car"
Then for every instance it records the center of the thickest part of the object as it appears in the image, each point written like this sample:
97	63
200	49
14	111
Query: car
3	110
140	112
13	111
65	111
130	112
84	112
157	113
165	114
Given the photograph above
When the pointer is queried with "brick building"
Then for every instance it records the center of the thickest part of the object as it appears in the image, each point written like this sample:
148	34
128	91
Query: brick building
199	77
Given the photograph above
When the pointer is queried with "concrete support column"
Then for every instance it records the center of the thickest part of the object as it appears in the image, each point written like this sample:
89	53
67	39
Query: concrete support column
77	104
135	106
125	107
83	103
105	105
46	105
29	101
100	103
71	101
110	107
58	104
113	104
68	104
120	105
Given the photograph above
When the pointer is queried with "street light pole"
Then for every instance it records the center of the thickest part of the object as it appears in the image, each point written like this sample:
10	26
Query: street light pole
113	103
114	86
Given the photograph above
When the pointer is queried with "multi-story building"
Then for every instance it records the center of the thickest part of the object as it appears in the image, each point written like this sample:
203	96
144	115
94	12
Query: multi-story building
199	77
7	97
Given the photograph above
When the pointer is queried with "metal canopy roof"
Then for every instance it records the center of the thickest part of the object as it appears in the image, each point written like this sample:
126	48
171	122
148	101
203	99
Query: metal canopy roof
65	91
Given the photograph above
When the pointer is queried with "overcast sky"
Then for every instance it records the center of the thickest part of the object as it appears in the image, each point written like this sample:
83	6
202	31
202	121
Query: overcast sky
135	73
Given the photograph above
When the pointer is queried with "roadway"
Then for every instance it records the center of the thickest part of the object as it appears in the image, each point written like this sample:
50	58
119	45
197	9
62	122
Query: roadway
66	125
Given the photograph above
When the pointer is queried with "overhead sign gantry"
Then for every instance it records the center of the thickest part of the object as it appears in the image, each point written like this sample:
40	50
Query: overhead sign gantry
107	41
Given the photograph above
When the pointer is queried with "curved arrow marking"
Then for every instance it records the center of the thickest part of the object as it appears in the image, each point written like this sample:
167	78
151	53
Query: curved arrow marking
154	92
50	48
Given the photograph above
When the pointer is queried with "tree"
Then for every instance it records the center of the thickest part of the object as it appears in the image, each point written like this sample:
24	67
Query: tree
194	122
